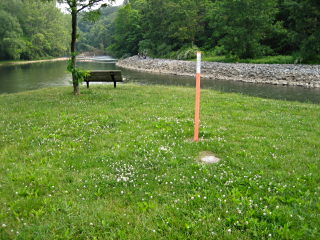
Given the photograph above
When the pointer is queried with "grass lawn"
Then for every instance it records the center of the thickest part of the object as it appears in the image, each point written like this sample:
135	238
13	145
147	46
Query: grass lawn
118	164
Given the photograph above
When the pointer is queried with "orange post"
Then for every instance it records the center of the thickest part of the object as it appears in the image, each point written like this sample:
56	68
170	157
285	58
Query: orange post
197	105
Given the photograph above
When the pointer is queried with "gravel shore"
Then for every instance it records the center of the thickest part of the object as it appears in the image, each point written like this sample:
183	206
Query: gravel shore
278	74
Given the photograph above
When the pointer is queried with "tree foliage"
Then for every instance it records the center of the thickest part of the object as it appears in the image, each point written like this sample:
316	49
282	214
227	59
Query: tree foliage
31	29
167	28
96	35
127	31
242	25
304	17
239	28
11	44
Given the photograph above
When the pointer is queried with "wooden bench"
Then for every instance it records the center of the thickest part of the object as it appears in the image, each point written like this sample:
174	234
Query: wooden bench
104	76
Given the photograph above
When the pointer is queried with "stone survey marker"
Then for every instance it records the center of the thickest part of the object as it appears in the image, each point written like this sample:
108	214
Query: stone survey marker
208	158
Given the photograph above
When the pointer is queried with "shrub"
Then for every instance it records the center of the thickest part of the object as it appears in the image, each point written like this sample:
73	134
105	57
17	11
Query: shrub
186	52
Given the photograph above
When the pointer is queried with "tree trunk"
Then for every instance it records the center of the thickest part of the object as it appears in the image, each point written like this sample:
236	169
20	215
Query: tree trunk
75	81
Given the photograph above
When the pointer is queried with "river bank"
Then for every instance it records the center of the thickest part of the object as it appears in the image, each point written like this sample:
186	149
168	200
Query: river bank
277	74
32	61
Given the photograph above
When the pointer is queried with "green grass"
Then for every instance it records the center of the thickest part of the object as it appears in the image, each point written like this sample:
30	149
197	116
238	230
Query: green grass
118	164
263	60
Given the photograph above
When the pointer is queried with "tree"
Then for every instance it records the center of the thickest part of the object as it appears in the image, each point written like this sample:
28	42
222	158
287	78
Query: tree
127	32
32	29
75	7
304	16
242	25
96	35
160	28
238	28
10	34
45	28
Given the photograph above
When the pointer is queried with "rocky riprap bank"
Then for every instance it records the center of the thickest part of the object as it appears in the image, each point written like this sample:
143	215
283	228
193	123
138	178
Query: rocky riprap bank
279	74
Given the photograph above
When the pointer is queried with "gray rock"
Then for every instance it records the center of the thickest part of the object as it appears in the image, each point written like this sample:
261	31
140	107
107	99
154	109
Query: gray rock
278	74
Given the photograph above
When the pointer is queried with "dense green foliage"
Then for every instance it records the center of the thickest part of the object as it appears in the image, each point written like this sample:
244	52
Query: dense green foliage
31	29
237	29
241	29
118	164
240	26
95	33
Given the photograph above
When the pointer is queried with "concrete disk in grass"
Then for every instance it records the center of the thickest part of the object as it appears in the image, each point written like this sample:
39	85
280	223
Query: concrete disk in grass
208	158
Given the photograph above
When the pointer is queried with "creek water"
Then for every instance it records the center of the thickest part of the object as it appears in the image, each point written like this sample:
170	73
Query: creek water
17	78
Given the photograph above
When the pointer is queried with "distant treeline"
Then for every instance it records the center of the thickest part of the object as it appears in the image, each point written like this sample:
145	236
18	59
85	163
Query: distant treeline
32	29
237	28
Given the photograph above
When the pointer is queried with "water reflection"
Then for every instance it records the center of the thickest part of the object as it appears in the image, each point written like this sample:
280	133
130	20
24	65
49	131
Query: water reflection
289	93
17	78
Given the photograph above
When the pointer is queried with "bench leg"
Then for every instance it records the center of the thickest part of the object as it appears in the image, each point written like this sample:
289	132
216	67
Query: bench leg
87	84
115	84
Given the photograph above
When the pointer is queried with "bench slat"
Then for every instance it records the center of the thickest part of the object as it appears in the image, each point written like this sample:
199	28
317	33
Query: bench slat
104	76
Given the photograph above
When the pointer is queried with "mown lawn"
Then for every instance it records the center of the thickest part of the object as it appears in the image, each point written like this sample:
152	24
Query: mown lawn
119	164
